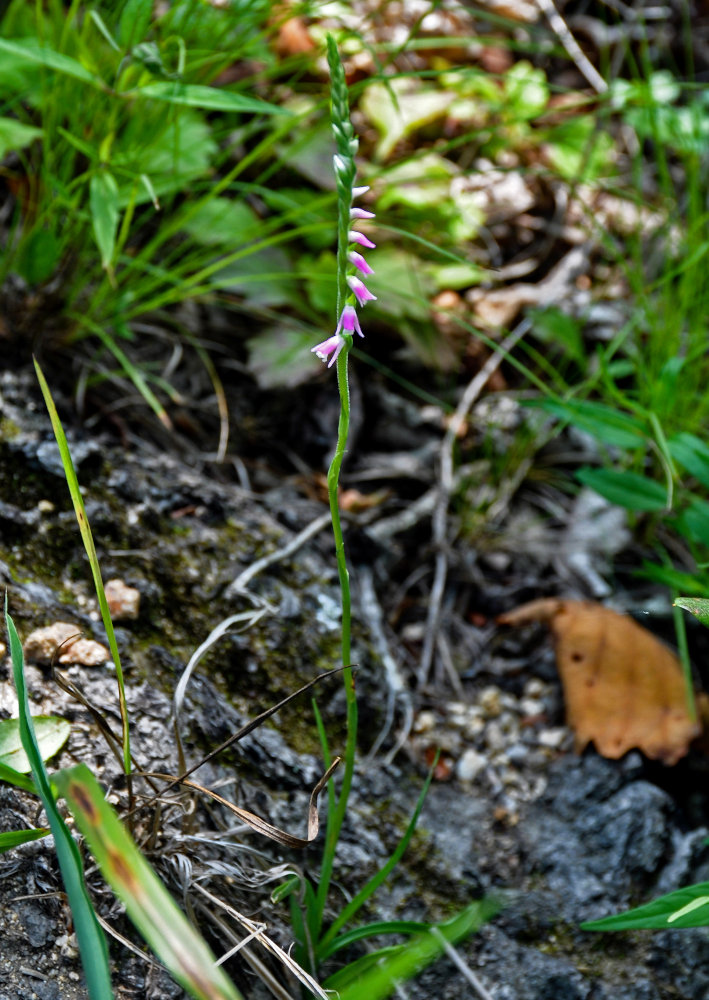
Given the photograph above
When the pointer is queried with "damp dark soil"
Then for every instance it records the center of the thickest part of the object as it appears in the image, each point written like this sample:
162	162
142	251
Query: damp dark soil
513	812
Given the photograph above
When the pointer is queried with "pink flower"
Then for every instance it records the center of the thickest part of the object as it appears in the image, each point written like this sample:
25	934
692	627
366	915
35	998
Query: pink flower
349	321
361	213
359	262
329	348
354	237
362	293
358	191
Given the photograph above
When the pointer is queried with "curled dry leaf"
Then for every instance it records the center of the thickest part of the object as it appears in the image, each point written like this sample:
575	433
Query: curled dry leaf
623	688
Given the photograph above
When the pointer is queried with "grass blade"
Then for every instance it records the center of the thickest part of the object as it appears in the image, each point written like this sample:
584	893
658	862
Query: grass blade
87	538
92	943
376	976
13	838
147	901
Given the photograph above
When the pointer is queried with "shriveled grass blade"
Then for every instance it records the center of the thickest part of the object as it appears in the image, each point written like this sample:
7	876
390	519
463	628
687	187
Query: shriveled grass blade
92	942
13	838
147	901
87	539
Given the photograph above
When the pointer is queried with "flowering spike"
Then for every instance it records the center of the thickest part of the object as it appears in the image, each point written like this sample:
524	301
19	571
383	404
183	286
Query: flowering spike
329	348
354	237
359	262
361	292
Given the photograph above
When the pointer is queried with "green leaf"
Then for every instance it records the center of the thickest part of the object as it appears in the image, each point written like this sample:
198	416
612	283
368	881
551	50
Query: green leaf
92	943
695	522
29	50
13	838
692	454
683	908
602	422
90	549
103	197
38	256
556	328
223	222
375	976
674	578
134	22
147	901
16	135
698	606
625	489
51	732
207	98
13	777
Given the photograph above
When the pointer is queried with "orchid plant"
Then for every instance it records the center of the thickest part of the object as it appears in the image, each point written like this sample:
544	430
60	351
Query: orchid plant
351	294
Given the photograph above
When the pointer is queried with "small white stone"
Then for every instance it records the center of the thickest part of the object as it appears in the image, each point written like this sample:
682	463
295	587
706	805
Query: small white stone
553	738
531	706
490	701
123	601
470	765
424	722
534	688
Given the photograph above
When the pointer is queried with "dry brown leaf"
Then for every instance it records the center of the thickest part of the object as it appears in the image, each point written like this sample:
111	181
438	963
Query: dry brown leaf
623	688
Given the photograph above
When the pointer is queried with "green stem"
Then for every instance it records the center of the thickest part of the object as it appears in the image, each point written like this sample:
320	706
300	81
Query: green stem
336	815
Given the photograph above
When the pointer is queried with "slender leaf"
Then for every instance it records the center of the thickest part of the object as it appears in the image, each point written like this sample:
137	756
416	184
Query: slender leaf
92	943
147	901
13	838
626	489
51	732
207	98
29	50
602	422
692	454
13	777
698	606
683	908
377	975
103	198
90	548
135	21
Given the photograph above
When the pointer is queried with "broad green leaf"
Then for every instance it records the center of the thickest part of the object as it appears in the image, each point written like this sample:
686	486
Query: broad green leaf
280	356
103	197
208	98
38	256
134	22
92	943
683	908
147	901
692	454
51	732
29	50
16	135
400	109
13	838
600	421
223	222
695	522
625	489
578	149
698	606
